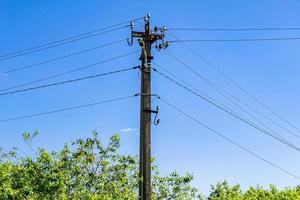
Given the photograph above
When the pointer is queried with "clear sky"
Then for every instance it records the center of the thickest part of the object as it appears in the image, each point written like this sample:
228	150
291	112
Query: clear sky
269	70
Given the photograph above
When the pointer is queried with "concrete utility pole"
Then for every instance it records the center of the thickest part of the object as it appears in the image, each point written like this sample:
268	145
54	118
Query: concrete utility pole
145	40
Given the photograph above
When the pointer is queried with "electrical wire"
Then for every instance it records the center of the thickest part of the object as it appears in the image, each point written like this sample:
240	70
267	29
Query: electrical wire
238	29
68	72
228	139
237	40
68	81
217	69
67	109
62	57
66	40
224	93
217	102
186	83
229	111
289	144
59	44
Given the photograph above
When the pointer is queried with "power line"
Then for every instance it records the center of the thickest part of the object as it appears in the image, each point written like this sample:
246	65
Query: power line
217	69
226	94
62	57
186	83
238	29
68	81
228	139
284	141
68	72
65	40
59	44
217	102
67	109
237	40
281	139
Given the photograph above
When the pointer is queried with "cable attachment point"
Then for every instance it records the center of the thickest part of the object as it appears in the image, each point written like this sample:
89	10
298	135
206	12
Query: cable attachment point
156	120
130	40
163	44
147	17
137	67
156	43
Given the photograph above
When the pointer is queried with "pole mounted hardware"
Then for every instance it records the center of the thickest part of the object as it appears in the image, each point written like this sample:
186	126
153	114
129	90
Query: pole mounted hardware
156	120
163	44
157	35
145	40
144	52
130	40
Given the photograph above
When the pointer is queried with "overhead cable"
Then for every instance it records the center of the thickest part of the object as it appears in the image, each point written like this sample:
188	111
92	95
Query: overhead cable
238	40
61	57
67	72
229	140
67	109
226	107
238	29
68	81
218	70
67	40
283	141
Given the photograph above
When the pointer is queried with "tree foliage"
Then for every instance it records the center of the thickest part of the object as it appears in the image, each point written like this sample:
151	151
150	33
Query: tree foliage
222	191
87	169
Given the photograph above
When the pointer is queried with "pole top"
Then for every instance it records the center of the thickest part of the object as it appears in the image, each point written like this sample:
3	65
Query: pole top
147	17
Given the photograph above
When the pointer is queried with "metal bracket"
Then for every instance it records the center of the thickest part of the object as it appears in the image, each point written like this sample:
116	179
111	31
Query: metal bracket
163	44
130	40
156	121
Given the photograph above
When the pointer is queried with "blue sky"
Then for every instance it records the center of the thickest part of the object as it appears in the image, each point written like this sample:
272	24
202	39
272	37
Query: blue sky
269	70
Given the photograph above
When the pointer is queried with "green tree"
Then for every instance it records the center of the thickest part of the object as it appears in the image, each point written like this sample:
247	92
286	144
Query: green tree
222	191
85	169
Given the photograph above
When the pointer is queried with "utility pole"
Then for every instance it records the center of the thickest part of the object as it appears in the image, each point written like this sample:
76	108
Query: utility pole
145	39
